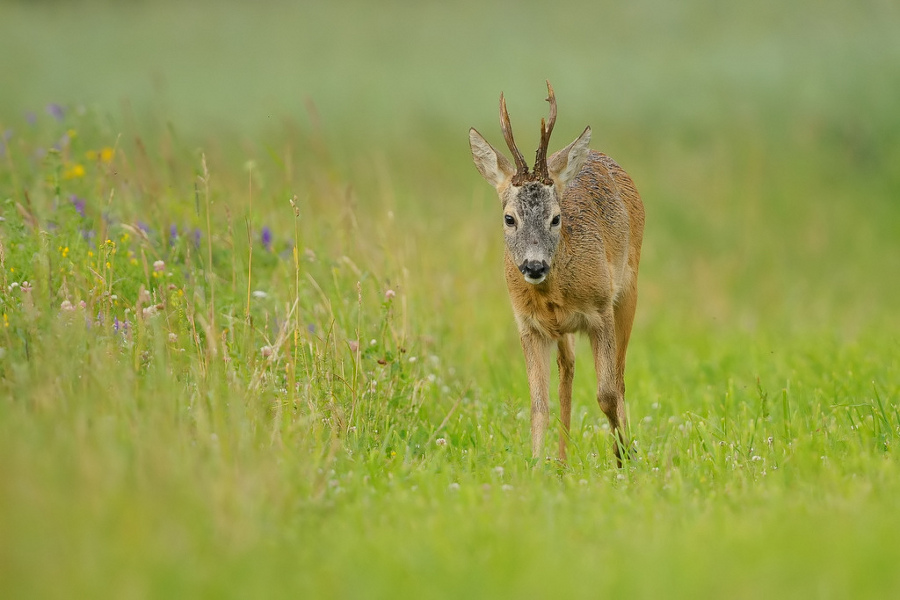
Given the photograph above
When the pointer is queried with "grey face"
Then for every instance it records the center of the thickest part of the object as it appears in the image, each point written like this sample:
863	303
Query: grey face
531	223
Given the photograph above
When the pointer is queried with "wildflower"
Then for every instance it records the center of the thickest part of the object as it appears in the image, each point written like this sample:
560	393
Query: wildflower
159	266
173	235
499	471
506	487
266	238
354	346
56	111
13	285
67	306
195	236
260	294
3	140
441	442
267	351
388	295
26	287
454	487
173	338
76	171
149	311
103	155
79	204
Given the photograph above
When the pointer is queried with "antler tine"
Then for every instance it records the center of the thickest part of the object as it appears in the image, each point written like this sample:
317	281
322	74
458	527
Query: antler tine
521	165
541	170
551	98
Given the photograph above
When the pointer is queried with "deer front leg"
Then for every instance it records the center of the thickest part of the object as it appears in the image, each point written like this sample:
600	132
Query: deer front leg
609	388
565	360
537	365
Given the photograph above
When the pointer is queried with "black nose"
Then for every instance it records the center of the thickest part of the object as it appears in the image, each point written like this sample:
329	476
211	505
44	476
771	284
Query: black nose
534	269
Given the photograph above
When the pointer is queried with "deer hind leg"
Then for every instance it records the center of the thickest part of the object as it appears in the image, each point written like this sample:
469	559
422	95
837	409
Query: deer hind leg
610	389
624	315
537	365
565	360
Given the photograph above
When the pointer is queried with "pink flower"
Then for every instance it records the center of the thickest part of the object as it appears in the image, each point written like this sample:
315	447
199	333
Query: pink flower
389	294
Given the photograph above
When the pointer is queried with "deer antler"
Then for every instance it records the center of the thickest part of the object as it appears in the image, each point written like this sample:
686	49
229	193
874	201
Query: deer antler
541	171
522	174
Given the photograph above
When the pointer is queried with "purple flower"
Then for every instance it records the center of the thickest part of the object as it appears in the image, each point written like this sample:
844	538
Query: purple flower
143	227
173	235
266	237
3	140
56	111
196	236
78	203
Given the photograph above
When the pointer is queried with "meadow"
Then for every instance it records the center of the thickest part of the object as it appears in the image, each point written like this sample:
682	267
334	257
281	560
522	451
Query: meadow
255	336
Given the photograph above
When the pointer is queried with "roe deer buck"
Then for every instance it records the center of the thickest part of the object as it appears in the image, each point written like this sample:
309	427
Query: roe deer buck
573	228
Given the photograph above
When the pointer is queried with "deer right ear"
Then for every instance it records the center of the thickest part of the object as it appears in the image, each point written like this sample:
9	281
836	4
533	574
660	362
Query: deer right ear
492	165
565	164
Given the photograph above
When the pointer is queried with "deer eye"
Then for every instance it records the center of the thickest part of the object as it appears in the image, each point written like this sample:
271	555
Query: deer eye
555	221
509	220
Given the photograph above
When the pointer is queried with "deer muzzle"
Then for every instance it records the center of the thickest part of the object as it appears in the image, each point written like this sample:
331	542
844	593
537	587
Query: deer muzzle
535	271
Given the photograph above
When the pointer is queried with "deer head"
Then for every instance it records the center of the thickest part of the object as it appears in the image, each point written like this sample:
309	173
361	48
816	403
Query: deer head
530	199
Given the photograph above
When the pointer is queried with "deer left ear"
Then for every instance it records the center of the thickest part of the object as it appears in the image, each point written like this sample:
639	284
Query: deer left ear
492	165
565	164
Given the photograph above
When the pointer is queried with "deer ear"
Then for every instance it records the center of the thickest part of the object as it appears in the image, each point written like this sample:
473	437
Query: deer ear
492	165
565	164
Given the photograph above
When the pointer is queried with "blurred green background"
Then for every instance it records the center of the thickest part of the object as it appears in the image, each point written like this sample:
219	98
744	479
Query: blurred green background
763	136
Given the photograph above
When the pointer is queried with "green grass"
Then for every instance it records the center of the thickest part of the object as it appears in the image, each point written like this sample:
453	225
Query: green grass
270	425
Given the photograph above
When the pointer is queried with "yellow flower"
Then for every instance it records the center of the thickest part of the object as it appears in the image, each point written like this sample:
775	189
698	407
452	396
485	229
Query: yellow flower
72	134
5	320
124	238
73	172
105	154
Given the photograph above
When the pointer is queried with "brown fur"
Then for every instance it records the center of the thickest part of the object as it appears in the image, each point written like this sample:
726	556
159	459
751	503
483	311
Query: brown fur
591	288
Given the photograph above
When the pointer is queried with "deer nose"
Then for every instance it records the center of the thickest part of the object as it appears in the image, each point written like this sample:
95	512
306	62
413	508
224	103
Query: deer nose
534	269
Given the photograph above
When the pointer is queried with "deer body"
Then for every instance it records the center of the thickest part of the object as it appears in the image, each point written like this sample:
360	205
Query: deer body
573	230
